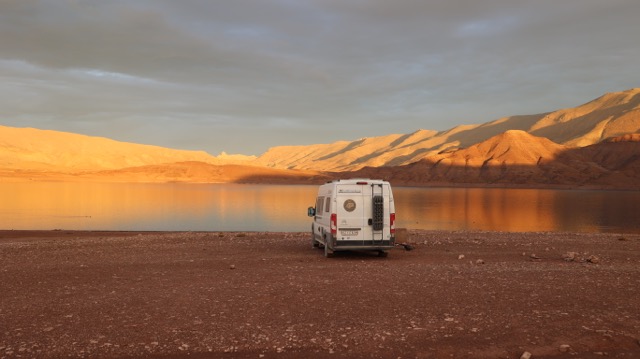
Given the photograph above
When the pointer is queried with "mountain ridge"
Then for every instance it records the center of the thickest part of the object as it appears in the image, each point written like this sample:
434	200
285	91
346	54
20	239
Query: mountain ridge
599	145
610	115
35	149
541	163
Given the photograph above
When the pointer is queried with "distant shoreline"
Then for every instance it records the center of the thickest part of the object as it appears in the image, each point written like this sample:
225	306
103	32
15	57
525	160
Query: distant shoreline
72	179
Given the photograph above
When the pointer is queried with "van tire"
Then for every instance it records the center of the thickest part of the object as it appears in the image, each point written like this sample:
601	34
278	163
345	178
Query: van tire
314	243
328	253
382	254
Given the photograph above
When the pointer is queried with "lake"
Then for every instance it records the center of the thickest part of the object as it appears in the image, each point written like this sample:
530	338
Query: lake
232	207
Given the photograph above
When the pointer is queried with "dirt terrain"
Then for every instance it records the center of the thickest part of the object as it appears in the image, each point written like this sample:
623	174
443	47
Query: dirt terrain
270	295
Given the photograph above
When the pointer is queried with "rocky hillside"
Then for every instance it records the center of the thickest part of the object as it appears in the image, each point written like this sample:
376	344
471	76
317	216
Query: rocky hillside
34	149
517	158
611	115
593	145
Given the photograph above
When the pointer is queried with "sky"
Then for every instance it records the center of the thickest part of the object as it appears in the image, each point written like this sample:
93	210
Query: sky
244	75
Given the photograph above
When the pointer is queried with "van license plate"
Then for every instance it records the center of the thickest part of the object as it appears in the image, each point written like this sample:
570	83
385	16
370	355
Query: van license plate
349	233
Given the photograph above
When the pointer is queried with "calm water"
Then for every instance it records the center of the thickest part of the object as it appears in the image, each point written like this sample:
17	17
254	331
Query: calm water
195	207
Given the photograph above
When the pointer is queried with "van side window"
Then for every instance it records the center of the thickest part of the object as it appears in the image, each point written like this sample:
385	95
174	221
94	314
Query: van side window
328	207
319	205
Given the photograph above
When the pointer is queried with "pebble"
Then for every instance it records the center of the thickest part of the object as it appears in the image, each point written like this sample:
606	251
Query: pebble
525	355
564	348
233	266
480	261
461	256
569	256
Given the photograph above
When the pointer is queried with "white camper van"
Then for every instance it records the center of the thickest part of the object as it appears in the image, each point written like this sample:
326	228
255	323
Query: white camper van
354	214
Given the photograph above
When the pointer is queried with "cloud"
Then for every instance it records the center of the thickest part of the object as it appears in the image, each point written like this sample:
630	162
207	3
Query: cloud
212	69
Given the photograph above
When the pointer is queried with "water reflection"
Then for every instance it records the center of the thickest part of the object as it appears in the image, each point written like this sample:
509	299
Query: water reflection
519	210
473	208
97	206
227	207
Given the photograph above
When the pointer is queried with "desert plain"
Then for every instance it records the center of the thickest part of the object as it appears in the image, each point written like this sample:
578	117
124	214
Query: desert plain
270	295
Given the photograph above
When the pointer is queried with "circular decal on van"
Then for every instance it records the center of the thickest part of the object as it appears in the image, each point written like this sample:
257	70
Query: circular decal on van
349	205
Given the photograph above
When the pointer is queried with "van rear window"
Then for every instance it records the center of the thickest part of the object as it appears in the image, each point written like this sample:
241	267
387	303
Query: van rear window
328	207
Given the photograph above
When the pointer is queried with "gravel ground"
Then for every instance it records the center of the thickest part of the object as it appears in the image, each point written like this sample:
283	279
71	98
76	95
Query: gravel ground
270	295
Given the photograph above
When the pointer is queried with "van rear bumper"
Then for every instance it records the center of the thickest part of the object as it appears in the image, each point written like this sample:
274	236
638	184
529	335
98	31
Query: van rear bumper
368	245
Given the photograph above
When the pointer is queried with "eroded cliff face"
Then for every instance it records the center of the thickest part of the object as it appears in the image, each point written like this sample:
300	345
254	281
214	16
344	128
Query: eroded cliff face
517	158
611	115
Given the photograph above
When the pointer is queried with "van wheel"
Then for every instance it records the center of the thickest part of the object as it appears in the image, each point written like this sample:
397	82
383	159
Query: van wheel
382	254
328	253
314	243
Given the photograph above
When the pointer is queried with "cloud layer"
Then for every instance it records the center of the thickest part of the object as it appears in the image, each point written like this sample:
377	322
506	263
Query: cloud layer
244	75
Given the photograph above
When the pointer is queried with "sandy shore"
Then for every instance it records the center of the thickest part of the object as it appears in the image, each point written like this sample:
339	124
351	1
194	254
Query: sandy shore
270	295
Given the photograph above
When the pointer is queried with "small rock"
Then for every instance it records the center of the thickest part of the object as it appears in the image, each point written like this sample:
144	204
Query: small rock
564	348
525	355
534	256
480	261
233	266
593	259
570	256
461	256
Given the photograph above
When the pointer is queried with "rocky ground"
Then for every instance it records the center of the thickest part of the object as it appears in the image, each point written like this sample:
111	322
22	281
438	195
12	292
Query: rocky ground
270	295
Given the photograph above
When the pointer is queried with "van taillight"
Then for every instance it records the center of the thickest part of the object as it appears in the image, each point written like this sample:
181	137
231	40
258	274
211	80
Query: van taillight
392	223
362	183
334	224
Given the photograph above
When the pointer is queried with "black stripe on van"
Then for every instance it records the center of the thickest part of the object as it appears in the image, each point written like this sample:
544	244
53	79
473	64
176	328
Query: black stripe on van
347	243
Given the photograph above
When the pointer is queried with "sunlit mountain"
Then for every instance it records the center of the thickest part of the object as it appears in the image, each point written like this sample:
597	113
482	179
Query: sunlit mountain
517	158
593	145
611	115
34	149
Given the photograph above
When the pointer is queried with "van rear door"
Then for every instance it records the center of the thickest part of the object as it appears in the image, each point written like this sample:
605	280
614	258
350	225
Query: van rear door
350	207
